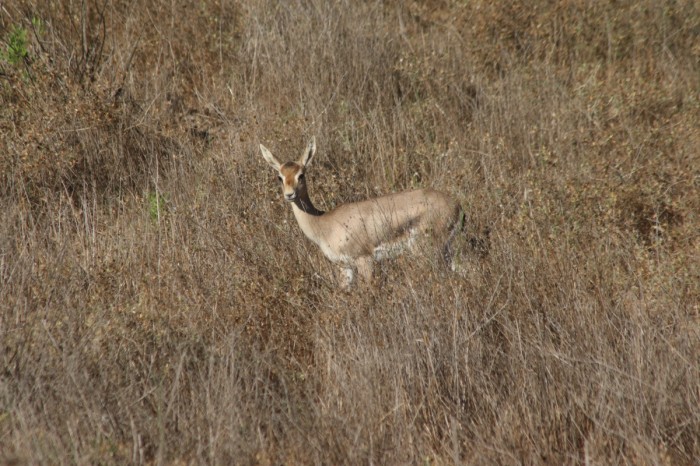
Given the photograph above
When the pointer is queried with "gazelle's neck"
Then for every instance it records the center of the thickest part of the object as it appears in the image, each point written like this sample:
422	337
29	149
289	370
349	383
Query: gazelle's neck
303	205
307	217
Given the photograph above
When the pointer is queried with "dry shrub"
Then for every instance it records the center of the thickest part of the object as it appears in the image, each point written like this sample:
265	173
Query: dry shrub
159	304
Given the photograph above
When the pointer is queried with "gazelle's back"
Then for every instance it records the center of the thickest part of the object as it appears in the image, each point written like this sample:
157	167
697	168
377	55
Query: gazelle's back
357	228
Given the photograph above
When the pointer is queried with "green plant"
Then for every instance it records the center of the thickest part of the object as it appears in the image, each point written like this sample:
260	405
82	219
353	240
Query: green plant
156	205
38	25
16	49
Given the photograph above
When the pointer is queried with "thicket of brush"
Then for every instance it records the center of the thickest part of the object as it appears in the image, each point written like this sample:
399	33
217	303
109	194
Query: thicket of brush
158	303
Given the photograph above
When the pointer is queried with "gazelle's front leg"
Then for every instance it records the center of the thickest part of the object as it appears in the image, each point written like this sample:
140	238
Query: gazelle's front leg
364	266
348	276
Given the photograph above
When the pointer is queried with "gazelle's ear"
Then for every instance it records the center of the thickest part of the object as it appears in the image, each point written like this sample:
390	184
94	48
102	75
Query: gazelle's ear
267	155
309	153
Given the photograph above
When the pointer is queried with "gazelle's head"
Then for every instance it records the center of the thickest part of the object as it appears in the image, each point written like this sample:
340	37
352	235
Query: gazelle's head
291	174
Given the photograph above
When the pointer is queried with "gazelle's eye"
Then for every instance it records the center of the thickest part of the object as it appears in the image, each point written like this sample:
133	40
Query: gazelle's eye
279	177
301	177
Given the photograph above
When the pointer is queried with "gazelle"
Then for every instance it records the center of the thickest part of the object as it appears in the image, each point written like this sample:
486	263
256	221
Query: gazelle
355	234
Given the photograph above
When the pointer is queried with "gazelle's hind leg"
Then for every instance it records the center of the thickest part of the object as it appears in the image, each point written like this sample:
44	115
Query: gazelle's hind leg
448	249
363	266
448	252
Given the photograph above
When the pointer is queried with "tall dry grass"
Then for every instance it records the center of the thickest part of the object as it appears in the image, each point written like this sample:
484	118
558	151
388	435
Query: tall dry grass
159	304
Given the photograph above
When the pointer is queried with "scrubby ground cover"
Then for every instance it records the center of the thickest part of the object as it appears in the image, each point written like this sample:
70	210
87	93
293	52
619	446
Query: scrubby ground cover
158	303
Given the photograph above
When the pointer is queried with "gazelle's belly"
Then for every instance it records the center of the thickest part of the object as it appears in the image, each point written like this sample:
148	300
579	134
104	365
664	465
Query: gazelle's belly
391	249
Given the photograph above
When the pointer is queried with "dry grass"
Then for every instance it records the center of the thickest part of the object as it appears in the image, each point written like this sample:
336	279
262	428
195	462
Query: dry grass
158	304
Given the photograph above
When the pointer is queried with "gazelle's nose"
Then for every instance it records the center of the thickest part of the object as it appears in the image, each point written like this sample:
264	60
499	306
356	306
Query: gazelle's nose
290	196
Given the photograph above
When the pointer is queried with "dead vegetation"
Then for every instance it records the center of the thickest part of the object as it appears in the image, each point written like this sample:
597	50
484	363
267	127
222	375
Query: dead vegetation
158	304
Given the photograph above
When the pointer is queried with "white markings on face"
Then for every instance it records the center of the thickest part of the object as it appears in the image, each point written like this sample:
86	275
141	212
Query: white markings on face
290	173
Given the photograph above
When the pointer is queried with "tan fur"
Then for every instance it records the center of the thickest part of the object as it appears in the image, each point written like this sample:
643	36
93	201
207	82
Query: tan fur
355	234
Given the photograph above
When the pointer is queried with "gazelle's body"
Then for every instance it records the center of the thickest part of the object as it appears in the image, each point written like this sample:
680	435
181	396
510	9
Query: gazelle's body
355	234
